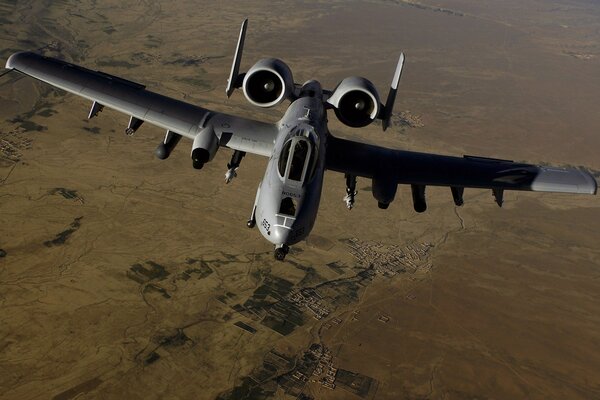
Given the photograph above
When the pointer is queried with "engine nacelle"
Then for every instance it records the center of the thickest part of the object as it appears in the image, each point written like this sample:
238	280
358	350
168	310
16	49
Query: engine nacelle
384	190
355	101
268	83
204	148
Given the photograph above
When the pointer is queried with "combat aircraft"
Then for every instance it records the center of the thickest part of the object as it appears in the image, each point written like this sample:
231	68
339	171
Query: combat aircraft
300	146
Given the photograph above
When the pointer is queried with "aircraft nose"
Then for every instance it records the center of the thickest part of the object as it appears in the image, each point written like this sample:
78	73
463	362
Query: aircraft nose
279	235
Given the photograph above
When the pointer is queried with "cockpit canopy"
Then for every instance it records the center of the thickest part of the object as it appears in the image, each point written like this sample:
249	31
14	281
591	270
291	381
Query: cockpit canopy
297	160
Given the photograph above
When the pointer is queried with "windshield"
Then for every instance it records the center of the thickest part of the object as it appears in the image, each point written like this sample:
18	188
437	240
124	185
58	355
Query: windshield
297	159
283	159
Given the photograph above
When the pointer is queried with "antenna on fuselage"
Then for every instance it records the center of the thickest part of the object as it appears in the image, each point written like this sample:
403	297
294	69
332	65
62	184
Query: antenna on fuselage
235	80
389	104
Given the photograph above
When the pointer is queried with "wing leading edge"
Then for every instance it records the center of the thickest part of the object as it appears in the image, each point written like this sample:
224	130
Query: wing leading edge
143	105
422	169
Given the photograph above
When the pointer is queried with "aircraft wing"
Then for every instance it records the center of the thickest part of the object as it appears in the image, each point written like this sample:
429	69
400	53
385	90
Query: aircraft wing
145	106
422	169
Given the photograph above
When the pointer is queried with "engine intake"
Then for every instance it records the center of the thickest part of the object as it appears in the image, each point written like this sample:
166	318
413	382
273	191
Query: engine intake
268	83
355	101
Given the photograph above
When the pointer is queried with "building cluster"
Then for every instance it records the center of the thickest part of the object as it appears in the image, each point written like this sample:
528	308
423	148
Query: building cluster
384	318
415	255
300	376
12	143
389	260
311	300
580	56
324	372
407	119
334	321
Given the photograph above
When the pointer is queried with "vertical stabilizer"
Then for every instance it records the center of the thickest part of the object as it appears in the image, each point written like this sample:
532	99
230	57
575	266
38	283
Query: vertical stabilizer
389	104
233	81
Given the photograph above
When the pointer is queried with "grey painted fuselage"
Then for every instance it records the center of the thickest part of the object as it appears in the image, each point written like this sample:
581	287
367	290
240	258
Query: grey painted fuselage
288	197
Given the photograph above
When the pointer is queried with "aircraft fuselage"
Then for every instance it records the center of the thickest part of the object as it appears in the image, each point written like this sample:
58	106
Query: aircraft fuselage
288	197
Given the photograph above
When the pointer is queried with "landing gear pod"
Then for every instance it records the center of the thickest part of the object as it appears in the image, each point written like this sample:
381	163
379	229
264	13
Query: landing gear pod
418	195
384	190
204	148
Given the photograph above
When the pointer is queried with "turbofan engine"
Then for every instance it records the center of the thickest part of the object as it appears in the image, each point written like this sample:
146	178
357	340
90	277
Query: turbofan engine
355	101
268	83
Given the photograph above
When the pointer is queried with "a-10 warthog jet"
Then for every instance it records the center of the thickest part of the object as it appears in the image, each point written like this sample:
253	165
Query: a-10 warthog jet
300	147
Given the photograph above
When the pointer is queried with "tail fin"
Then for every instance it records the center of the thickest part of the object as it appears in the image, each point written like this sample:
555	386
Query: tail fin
389	104
234	80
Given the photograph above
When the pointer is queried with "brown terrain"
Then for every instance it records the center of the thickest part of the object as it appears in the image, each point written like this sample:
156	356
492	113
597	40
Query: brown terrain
122	276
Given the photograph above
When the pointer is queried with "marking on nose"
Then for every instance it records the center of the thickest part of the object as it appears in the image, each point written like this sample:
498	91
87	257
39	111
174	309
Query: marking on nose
267	226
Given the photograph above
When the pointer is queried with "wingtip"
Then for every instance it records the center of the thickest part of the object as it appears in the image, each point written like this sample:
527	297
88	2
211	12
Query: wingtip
591	180
10	63
594	187
13	60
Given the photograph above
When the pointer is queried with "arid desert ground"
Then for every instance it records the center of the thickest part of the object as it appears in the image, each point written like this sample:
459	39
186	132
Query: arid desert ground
123	276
